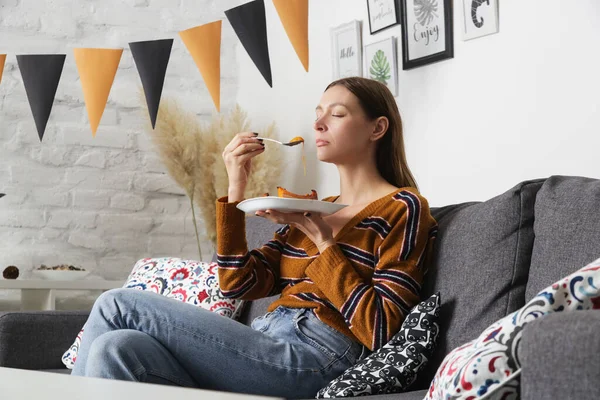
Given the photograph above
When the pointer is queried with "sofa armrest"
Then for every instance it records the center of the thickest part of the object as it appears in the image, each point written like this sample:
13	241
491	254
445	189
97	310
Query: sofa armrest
559	357
38	339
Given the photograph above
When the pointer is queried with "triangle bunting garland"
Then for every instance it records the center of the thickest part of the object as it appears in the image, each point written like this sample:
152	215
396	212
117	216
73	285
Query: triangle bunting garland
41	74
250	26
204	44
151	59
97	69
2	60
294	17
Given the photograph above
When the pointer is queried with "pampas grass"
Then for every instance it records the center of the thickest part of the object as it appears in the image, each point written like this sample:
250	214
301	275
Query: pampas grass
178	138
191	153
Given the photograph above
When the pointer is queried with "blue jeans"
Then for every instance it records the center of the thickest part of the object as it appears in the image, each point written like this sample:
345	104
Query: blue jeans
142	336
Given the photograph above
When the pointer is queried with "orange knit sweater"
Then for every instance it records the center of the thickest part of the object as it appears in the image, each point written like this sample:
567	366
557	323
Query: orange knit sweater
363	286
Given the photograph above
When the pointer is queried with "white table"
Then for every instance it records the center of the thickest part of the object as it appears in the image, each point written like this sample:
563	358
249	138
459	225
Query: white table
39	294
20	384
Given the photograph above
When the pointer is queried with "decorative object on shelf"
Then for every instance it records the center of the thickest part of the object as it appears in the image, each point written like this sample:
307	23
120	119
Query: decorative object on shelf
61	272
2	60
151	59
480	17
294	17
346	49
10	272
204	44
97	69
427	34
191	154
250	25
382	14
382	64
41	74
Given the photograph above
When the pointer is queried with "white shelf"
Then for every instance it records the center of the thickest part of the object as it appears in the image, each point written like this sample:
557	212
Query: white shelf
81	284
38	294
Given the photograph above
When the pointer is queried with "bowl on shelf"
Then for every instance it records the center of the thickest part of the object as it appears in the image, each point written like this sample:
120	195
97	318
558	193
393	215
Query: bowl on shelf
60	274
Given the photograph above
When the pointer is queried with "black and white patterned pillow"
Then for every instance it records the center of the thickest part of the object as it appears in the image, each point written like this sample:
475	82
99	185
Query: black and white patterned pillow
394	367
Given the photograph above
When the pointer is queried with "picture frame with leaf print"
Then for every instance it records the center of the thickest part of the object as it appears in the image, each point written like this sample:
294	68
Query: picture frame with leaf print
382	63
427	32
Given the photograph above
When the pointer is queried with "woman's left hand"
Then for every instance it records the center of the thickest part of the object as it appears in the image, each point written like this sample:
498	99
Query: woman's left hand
311	224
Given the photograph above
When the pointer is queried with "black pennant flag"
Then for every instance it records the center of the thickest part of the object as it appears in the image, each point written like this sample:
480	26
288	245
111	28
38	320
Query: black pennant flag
41	74
250	25
151	59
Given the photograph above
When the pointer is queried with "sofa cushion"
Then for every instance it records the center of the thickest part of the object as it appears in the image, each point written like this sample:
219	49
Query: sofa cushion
491	363
480	265
571	367
37	339
567	229
395	366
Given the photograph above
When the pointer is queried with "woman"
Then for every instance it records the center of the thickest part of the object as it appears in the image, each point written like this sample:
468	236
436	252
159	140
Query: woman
346	280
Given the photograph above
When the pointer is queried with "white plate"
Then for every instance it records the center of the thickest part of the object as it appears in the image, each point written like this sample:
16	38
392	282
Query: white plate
59	275
288	205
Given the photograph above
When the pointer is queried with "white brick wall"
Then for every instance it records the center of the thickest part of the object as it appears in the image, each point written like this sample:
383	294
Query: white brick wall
101	202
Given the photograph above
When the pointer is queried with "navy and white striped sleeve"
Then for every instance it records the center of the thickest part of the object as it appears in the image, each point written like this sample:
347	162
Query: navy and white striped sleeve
253	274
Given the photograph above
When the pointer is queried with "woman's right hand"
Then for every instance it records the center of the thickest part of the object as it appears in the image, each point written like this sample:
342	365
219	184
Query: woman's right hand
238	156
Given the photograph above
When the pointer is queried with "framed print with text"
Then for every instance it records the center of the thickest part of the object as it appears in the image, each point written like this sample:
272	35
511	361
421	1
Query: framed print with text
346	49
382	14
427	32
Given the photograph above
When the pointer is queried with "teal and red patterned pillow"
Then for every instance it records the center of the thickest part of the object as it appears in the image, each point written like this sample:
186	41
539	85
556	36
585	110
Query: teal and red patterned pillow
489	366
192	282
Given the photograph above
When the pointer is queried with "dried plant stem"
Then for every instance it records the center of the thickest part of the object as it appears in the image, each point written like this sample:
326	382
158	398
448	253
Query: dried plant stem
191	196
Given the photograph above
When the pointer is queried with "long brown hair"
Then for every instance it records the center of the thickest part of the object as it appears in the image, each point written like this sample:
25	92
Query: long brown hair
377	101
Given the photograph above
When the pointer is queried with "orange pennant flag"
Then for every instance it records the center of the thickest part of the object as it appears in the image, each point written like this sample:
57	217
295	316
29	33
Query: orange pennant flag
204	44
294	17
2	60
97	69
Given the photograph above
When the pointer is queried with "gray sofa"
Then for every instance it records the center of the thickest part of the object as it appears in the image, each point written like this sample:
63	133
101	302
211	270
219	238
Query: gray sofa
490	258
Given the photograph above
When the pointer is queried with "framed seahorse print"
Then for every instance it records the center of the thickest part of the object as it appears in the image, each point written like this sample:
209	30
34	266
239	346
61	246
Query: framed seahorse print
427	32
480	18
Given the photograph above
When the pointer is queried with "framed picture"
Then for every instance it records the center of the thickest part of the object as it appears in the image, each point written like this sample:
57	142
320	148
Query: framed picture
382	64
382	14
427	33
481	18
346	48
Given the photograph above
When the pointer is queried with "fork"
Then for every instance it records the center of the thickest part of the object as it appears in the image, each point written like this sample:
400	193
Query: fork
277	141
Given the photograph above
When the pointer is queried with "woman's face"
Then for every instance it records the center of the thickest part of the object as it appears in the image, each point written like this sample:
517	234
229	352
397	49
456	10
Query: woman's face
342	129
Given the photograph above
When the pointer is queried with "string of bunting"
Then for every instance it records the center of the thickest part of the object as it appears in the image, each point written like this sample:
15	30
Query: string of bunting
97	67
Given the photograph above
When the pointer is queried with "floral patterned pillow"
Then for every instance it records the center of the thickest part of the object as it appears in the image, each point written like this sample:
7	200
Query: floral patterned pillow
489	367
192	282
394	367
